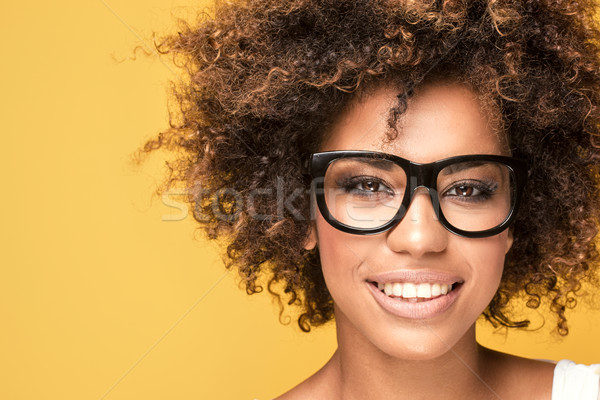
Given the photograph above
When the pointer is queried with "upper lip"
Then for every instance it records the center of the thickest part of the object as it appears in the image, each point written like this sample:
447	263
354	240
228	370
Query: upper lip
415	276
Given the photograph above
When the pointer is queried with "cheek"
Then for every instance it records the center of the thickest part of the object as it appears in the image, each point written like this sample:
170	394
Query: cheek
334	251
342	255
487	263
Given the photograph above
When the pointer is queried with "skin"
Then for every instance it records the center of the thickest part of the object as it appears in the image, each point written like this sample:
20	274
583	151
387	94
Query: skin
383	356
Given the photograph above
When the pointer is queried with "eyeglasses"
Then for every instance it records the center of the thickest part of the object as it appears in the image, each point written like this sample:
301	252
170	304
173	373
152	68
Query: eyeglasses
366	192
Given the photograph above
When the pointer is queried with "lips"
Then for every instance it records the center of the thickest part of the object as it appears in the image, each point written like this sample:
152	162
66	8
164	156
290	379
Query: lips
415	276
415	294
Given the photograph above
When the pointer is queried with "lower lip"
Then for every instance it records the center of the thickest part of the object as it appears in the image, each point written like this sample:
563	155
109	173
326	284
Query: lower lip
422	310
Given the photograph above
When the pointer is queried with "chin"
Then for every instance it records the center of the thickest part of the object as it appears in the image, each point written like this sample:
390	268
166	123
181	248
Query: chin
417	351
421	343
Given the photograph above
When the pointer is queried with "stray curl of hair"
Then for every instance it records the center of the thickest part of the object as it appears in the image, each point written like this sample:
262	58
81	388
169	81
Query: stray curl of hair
265	78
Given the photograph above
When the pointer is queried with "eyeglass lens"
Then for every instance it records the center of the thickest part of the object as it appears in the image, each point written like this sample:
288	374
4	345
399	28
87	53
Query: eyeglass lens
367	193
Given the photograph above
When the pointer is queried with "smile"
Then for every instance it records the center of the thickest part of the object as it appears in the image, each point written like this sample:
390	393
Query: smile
414	292
424	300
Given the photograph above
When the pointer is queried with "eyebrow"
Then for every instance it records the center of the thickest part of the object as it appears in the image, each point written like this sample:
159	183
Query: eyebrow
386	165
454	168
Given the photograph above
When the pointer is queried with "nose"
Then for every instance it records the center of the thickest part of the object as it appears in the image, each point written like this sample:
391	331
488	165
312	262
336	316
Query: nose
419	232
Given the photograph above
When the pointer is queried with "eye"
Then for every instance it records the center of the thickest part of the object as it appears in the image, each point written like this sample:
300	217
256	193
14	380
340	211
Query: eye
464	191
471	191
365	185
369	186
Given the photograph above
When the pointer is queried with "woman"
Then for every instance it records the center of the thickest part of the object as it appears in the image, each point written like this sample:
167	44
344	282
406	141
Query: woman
401	167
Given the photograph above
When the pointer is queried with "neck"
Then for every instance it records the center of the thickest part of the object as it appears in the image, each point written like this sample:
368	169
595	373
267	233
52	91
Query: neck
364	371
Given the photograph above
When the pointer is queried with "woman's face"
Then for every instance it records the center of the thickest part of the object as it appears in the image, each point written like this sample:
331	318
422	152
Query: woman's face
442	120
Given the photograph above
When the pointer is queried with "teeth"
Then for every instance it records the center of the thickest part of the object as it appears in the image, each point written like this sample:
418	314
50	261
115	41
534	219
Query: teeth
388	289
424	290
408	290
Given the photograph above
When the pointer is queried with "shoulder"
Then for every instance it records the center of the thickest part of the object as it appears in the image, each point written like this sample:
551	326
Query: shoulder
571	378
547	380
319	386
522	378
311	388
300	392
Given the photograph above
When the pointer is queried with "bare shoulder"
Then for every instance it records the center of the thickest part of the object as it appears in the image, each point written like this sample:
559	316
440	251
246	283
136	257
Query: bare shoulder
321	385
311	388
524	378
304	390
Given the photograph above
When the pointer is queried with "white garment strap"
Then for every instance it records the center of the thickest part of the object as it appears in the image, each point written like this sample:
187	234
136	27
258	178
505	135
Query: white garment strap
575	381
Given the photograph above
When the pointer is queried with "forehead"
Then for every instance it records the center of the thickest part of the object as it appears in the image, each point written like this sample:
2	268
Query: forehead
442	120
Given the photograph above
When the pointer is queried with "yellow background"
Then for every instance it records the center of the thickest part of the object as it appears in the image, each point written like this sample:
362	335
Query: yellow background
100	297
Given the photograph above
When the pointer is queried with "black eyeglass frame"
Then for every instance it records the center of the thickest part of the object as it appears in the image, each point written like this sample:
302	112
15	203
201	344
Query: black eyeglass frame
418	175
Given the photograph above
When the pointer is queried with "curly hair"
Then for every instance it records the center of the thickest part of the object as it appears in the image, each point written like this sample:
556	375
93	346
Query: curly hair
264	80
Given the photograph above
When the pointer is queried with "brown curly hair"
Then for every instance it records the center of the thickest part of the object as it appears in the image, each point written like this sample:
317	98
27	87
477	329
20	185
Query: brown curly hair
264	80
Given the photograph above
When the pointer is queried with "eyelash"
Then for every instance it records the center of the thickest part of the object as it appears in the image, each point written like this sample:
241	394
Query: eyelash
350	185
486	190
